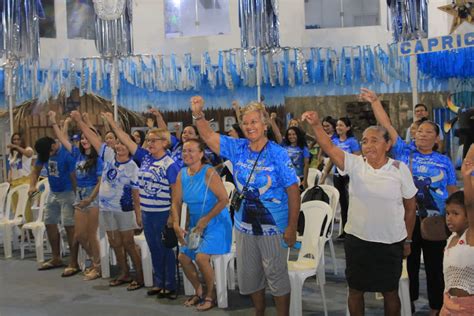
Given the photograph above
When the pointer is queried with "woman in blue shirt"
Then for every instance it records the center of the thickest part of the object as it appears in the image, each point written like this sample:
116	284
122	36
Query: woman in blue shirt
295	146
86	213
266	220
435	178
201	188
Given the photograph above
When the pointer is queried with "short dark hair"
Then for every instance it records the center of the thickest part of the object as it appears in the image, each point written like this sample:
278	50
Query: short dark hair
421	105
456	198
43	148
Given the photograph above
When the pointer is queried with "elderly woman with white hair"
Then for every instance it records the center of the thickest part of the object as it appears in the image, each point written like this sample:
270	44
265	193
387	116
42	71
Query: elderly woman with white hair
381	215
266	219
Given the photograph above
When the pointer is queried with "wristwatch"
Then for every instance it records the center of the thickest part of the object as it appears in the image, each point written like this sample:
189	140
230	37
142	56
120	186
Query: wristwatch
408	241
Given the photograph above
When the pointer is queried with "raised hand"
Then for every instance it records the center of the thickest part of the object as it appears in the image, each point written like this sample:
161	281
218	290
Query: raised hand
52	117
76	116
108	117
273	116
197	104
311	117
467	167
368	95
235	105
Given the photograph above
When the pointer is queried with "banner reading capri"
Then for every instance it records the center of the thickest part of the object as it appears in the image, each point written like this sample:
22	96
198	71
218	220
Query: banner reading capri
436	44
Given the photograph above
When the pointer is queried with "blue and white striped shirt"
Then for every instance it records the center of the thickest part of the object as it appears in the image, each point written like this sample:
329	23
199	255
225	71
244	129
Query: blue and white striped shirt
154	179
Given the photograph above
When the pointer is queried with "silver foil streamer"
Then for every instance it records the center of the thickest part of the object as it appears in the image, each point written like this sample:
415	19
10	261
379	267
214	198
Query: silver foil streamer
114	37
19	28
409	19
259	25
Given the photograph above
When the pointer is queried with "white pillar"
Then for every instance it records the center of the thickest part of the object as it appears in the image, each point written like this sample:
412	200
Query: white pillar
414	81
259	74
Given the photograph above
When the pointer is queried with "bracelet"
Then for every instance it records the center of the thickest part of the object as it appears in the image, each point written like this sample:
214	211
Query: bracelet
408	241
198	117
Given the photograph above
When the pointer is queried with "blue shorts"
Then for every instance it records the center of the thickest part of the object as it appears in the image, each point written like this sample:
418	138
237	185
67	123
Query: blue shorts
59	208
83	193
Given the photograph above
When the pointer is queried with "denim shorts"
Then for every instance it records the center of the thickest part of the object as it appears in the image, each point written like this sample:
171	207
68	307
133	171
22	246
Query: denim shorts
83	193
59	208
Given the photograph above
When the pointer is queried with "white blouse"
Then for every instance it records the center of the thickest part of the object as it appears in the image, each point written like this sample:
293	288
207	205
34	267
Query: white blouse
376	212
458	265
20	167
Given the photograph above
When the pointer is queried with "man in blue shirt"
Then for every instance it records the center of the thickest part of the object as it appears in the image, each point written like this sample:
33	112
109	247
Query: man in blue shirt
59	206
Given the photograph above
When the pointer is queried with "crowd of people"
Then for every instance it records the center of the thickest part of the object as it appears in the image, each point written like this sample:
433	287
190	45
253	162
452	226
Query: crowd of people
390	190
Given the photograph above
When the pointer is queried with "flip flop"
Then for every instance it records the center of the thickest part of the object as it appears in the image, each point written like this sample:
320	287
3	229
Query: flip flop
48	265
212	304
69	272
193	301
118	282
135	286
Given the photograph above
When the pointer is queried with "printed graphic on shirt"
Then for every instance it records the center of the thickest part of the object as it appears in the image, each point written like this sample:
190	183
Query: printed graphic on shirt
53	170
297	156
264	210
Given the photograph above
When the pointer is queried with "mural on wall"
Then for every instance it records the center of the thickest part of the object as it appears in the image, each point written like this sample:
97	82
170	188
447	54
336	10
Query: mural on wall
80	19
47	25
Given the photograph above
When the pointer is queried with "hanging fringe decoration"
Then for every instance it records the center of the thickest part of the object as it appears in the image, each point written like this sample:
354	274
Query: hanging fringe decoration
259	25
409	19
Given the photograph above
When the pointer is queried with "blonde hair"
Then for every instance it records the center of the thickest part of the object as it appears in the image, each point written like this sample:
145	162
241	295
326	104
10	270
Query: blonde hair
255	106
161	133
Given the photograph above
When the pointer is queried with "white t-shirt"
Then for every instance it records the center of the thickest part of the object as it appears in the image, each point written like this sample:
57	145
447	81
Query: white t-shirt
376	212
118	180
20	167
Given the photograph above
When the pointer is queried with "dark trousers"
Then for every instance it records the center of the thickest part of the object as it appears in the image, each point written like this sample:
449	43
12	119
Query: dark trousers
341	183
433	259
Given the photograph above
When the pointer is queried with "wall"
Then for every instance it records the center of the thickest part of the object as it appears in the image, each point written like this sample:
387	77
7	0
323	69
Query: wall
149	37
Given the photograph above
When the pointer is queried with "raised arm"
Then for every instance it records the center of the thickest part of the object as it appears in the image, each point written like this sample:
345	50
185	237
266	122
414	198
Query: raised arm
159	118
27	152
236	107
121	135
467	170
62	137
91	136
275	128
380	115
211	138
335	153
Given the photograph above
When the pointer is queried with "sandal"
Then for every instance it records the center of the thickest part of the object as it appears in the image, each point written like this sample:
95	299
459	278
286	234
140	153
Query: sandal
135	286
193	301
92	275
168	294
48	265
154	291
70	271
118	282
206	305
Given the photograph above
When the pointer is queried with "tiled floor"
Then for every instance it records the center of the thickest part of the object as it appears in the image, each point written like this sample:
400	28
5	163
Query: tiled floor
25	291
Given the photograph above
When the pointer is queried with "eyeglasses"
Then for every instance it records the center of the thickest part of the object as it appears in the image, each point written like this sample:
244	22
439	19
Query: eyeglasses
154	140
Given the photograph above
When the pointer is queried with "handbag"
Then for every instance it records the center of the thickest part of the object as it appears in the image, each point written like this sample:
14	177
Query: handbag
432	228
238	197
194	239
168	237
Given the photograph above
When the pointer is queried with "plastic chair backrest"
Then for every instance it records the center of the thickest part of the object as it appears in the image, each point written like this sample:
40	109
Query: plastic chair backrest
333	194
183	216
314	213
313	175
22	192
3	197
229	186
43	186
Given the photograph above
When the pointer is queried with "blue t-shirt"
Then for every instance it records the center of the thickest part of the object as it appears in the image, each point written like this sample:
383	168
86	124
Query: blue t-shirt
432	174
154	179
297	156
118	180
350	145
59	169
264	211
86	178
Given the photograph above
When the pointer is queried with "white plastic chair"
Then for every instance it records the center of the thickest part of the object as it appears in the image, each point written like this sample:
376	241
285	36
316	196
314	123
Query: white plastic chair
310	254
3	197
147	266
333	194
7	225
37	227
314	175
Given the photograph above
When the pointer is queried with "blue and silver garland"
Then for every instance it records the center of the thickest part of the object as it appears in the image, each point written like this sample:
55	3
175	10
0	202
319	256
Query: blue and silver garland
409	19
